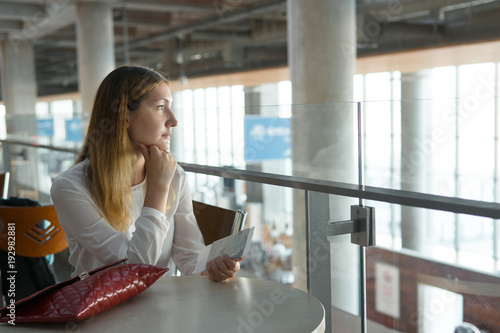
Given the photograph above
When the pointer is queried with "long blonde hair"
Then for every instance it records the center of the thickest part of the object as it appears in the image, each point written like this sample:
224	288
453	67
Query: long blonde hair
107	145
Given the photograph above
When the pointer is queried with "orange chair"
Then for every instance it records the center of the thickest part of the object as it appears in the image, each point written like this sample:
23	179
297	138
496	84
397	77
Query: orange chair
32	233
32	238
216	222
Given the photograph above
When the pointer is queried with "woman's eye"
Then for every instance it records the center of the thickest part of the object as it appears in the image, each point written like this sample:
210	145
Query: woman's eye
161	107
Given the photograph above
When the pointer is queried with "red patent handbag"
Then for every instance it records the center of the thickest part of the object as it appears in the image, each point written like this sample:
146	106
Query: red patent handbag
85	295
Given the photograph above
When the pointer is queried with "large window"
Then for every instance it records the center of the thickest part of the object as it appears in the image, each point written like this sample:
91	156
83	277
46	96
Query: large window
462	149
463	152
210	132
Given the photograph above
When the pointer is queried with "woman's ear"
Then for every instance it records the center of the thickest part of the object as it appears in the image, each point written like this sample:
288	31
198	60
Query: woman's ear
128	123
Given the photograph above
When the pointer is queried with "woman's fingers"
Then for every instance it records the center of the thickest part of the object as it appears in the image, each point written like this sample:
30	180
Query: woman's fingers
160	168
231	264
160	161
144	150
214	272
148	151
222	268
154	151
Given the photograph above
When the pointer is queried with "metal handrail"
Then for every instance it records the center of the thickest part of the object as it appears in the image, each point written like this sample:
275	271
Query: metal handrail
401	197
406	198
35	144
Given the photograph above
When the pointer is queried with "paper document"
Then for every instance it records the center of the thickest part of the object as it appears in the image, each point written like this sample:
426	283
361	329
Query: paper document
236	246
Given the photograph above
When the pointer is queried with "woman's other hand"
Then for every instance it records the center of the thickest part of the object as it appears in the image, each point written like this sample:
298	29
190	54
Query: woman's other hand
222	268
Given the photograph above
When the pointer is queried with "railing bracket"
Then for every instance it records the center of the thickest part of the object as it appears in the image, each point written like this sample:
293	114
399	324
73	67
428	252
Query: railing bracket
361	226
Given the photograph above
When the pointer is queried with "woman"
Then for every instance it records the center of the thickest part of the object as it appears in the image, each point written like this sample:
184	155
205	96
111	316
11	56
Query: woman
126	197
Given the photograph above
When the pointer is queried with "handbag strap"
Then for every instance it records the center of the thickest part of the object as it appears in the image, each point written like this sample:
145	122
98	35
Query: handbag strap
102	268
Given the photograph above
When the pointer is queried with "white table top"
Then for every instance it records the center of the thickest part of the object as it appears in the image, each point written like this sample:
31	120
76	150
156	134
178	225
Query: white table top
197	304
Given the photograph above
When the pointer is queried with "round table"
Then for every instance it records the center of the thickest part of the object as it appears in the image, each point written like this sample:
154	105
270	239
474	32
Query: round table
197	304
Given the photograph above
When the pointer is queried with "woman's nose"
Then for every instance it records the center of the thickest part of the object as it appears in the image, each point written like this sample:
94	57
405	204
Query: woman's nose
171	120
174	122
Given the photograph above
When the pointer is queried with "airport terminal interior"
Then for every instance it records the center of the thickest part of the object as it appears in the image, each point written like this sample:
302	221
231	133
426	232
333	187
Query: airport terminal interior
387	104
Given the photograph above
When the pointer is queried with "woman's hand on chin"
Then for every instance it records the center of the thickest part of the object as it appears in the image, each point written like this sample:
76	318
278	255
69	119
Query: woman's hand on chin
160	169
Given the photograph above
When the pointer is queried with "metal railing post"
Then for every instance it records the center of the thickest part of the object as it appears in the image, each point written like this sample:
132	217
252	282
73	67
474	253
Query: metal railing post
318	252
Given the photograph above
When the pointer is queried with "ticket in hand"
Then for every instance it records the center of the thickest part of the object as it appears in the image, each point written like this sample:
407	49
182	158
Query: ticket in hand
236	246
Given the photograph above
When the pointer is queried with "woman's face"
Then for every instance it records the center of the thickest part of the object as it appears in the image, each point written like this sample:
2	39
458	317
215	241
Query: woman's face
152	122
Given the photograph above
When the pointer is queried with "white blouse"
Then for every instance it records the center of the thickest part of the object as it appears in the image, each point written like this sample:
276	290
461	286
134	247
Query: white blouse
167	240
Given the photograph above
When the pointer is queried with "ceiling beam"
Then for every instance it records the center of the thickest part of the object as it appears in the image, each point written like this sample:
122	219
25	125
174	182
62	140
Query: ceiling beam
212	21
160	6
9	25
221	35
19	11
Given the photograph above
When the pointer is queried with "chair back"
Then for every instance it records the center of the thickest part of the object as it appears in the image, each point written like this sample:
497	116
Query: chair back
216	222
37	230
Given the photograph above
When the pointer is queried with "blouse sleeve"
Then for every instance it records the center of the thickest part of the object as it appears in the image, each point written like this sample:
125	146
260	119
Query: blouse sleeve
188	240
82	221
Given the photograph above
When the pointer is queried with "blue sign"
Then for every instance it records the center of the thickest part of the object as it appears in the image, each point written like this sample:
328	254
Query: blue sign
45	127
74	130
267	138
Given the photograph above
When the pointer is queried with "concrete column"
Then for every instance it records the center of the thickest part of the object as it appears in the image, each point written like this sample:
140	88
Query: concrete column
416	152
96	57
321	57
19	88
19	92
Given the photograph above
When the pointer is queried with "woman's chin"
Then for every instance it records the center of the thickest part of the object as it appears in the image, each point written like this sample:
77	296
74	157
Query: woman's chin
163	146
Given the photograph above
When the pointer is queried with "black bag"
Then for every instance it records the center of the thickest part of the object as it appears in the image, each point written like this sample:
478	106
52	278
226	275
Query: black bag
32	274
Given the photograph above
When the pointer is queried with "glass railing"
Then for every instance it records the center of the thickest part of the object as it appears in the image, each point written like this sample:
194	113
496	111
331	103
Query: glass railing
431	182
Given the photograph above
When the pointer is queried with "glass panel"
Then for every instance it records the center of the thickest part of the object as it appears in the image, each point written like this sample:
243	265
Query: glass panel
435	281
455	147
270	257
